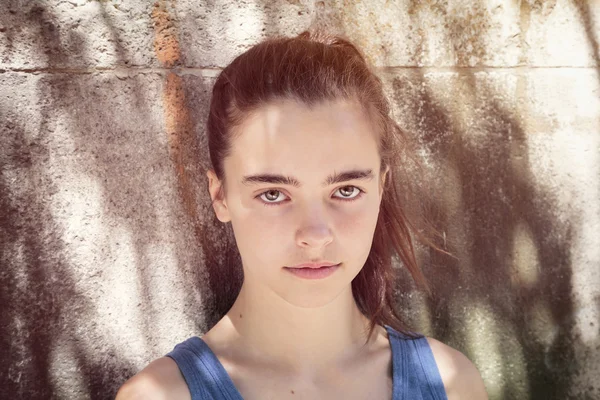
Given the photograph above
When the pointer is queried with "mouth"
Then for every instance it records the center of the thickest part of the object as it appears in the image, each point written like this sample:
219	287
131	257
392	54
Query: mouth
314	272
314	265
319	267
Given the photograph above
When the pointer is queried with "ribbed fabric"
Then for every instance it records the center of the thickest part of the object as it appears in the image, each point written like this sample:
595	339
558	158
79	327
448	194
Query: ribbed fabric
415	373
204	374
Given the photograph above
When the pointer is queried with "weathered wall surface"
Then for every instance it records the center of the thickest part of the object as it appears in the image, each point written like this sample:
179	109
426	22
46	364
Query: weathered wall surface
103	192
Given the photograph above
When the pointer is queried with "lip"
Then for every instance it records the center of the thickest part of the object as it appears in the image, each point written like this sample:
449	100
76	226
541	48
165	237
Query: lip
314	273
315	265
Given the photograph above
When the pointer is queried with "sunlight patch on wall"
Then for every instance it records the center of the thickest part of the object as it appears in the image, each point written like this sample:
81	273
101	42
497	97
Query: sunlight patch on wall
102	258
244	25
65	371
525	265
542	323
165	301
565	162
488	342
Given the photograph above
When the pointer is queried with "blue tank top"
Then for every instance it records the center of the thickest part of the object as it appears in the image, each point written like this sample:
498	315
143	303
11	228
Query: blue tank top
415	373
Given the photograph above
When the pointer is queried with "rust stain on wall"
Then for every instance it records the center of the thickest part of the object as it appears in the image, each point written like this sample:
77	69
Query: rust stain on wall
180	139
467	31
166	45
179	127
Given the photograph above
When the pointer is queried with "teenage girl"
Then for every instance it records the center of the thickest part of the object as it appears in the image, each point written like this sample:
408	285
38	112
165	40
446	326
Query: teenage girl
303	149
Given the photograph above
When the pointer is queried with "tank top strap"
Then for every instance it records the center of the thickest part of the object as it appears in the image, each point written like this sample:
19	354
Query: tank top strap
415	372
203	372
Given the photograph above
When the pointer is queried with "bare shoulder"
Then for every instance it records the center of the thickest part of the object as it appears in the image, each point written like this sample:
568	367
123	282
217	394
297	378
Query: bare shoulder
461	378
161	379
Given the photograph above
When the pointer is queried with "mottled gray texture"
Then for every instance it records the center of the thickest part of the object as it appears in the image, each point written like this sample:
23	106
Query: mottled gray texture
103	189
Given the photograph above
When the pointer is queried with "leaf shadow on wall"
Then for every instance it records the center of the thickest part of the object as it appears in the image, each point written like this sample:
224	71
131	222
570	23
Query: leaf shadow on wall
501	212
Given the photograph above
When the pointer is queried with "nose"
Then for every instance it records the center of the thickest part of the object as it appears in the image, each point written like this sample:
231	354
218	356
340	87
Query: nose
314	237
315	231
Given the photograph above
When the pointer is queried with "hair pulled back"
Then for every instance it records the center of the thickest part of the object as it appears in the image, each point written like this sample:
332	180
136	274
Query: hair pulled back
314	67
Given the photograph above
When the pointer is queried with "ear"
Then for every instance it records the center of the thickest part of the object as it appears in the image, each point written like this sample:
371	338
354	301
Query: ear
217	197
387	174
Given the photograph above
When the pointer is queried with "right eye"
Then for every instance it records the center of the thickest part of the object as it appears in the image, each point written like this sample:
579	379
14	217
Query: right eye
269	193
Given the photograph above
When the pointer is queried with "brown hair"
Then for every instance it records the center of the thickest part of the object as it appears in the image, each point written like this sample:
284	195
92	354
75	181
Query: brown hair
313	67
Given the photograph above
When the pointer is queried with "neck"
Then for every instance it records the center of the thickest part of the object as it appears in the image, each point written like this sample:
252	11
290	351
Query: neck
299	341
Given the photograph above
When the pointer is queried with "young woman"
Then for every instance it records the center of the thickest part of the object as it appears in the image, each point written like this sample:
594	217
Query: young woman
304	153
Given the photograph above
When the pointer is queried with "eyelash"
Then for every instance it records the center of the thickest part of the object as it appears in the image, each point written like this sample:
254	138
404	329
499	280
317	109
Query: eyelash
271	204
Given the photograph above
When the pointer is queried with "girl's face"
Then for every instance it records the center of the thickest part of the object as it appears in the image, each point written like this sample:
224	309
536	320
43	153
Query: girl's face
303	215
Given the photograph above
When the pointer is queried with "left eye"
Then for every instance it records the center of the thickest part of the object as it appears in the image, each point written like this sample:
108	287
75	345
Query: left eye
344	190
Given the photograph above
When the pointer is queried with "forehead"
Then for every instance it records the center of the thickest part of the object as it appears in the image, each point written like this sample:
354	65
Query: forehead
289	137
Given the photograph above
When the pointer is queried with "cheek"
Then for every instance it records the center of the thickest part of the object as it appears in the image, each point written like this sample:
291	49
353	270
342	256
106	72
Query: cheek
357	227
353	222
355	235
257	230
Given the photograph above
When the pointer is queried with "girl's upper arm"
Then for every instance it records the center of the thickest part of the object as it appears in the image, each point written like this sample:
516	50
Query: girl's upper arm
461	378
160	380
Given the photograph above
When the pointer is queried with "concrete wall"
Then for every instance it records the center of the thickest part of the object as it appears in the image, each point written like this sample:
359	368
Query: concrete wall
103	193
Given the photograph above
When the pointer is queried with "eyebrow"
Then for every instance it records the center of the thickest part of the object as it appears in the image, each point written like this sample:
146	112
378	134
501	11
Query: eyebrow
336	177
